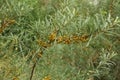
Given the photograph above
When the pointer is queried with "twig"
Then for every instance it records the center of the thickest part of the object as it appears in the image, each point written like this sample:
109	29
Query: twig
38	56
33	69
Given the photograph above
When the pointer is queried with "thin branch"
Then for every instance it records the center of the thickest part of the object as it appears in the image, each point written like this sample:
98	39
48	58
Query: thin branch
33	69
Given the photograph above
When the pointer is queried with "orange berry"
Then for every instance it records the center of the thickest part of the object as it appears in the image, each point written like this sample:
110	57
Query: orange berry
67	40
84	38
60	39
47	78
52	36
75	38
40	54
42	43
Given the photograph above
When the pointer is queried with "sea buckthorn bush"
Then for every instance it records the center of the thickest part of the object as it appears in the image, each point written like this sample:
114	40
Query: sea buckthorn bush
59	40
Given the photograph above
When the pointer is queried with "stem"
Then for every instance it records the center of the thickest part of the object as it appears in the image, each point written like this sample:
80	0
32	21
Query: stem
33	69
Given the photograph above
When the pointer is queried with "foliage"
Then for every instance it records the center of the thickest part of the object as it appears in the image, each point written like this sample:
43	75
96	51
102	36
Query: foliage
59	39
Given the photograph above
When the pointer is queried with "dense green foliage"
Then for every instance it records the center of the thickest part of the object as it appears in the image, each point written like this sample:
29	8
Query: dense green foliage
65	39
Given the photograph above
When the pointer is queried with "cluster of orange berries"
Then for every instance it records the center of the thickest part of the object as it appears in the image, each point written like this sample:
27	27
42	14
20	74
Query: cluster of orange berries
6	23
63	39
75	38
47	77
